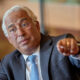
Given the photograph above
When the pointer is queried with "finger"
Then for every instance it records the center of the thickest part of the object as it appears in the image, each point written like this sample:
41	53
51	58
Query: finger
65	45
60	46
74	47
66	54
68	45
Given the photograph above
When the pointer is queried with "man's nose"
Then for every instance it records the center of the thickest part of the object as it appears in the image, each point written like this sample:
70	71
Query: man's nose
20	31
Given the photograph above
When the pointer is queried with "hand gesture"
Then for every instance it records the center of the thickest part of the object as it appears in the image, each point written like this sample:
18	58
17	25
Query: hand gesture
67	46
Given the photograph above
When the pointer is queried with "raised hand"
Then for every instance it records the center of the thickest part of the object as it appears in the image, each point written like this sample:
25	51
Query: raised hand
67	46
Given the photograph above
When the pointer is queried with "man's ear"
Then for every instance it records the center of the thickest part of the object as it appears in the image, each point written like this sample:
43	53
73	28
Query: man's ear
37	25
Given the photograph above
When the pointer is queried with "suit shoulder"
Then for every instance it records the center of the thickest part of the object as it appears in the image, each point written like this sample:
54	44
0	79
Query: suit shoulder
9	57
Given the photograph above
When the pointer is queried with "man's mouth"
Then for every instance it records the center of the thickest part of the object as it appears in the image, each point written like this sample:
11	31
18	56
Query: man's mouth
24	41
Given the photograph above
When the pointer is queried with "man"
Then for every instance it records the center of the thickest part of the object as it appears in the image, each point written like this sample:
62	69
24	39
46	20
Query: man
22	30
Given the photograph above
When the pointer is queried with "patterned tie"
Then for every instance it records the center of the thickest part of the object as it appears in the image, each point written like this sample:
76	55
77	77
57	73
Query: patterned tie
34	75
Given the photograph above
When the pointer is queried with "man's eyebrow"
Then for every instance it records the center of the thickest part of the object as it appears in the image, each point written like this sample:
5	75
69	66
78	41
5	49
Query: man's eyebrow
23	19
10	26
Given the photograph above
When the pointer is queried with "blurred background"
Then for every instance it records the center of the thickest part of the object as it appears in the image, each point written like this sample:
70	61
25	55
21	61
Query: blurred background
56	17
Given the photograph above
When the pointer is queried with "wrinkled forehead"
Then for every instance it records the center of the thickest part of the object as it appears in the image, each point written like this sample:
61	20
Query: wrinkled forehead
16	14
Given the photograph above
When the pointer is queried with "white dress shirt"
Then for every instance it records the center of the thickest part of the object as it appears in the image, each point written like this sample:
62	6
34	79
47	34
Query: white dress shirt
28	64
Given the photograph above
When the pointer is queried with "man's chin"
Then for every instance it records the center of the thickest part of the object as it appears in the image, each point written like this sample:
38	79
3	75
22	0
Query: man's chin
24	47
26	51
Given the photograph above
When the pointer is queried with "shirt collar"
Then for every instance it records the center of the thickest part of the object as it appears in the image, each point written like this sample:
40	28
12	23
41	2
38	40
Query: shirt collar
35	53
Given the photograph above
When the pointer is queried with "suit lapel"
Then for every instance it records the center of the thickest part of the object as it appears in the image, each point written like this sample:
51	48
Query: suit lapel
20	67
45	51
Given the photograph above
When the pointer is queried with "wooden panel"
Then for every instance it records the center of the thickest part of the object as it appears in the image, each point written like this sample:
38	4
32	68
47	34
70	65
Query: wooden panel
62	16
5	48
60	31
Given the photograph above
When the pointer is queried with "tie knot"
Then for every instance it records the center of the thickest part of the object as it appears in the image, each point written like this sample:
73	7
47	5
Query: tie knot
32	58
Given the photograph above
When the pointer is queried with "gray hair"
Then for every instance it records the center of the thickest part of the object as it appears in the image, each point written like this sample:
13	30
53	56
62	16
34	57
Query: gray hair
16	8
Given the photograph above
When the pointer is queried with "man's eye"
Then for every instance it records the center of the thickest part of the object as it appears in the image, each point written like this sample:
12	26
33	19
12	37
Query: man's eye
12	30
25	25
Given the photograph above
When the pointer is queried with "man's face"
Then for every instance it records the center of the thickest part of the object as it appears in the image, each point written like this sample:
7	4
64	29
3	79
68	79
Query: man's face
23	33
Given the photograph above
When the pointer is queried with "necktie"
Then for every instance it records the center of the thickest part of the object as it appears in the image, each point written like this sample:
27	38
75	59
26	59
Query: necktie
34	74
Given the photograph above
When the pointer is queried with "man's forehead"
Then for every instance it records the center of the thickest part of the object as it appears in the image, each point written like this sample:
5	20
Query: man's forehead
20	15
17	13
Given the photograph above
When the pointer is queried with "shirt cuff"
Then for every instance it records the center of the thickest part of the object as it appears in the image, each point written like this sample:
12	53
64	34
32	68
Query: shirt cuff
75	60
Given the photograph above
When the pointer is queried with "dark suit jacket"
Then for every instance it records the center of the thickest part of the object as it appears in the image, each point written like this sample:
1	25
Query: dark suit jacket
54	66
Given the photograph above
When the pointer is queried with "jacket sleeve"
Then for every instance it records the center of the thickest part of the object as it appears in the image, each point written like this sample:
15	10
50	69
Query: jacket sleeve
74	59
3	75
